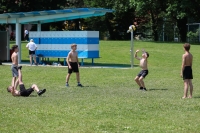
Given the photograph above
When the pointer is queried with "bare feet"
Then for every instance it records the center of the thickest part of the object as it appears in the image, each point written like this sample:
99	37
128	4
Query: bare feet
189	96
184	97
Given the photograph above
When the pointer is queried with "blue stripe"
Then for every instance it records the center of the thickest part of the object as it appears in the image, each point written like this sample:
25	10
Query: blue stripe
66	40
58	53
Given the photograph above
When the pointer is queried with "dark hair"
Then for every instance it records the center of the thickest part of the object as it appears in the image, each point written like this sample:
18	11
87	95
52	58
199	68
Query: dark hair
8	89
14	47
186	46
147	54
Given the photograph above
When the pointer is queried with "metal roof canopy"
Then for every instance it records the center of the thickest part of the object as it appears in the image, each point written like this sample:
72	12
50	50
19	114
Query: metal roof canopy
51	15
47	16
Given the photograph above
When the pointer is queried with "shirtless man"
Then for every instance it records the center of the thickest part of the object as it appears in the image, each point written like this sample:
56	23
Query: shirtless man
23	91
186	70
73	65
14	66
144	72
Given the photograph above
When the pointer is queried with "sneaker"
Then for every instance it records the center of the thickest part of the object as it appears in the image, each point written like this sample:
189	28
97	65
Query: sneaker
144	89
19	67
80	85
67	85
40	92
36	64
141	88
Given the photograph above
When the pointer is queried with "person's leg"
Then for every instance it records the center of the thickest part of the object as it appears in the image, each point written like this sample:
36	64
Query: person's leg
35	88
67	78
191	88
185	88
20	76
78	77
137	81
13	81
16	83
34	57
142	82
39	92
30	59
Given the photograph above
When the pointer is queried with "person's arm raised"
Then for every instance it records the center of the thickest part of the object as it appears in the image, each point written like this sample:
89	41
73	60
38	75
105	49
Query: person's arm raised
135	55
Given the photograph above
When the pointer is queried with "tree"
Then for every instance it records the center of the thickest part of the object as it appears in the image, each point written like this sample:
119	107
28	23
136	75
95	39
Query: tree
115	23
181	11
153	11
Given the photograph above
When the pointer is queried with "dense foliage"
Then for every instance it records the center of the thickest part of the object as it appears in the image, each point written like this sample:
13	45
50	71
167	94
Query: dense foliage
151	15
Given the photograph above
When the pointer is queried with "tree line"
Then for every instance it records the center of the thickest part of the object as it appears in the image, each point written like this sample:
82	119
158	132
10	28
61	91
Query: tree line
152	17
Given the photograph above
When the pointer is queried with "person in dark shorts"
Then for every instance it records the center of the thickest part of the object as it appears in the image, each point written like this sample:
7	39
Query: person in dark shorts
73	65
144	72
186	70
23	91
32	47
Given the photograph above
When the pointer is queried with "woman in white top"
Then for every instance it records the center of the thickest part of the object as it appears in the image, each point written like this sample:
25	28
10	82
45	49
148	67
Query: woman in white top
32	48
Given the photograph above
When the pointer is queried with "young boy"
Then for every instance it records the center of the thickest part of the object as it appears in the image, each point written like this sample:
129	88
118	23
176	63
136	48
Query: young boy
144	72
14	66
73	65
23	91
186	70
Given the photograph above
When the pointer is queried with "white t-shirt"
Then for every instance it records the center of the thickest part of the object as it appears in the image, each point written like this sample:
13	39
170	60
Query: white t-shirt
26	32
31	46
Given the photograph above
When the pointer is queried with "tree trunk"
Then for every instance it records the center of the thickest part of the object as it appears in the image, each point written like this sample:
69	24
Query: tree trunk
110	29
181	24
154	27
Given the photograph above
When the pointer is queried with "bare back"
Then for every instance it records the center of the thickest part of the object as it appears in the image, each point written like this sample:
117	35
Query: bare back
14	58
187	59
73	56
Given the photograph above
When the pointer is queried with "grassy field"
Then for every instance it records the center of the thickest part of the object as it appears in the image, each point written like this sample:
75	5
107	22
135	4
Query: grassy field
110	102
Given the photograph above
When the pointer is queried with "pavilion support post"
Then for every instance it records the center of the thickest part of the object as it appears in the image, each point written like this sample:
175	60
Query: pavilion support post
38	26
18	40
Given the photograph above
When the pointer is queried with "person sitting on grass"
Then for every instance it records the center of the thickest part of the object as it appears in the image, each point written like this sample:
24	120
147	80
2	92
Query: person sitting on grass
144	72
23	91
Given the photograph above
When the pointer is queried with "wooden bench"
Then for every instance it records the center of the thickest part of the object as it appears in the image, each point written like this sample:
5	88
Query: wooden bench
65	63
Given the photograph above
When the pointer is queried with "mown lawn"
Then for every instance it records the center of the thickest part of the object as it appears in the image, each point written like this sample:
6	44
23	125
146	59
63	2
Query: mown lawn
110	102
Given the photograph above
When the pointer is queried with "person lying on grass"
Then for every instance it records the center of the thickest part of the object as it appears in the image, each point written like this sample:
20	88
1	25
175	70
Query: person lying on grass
23	91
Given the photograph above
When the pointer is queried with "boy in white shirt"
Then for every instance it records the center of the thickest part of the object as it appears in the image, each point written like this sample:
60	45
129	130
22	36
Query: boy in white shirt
32	48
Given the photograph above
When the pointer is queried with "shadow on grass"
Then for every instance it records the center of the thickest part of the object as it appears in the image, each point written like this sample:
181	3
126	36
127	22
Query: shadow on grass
197	97
108	65
158	89
88	86
36	96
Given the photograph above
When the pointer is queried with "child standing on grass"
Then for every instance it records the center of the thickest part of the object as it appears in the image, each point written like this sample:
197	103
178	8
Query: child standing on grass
144	72
73	65
14	66
186	70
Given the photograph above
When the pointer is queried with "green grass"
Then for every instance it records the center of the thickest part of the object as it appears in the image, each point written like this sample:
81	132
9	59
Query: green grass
110	102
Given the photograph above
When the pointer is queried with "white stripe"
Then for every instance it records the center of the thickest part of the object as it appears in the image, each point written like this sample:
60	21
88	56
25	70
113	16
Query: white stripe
82	47
63	34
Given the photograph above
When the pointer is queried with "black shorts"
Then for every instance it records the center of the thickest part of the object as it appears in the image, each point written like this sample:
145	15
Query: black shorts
31	52
74	67
143	73
25	92
187	73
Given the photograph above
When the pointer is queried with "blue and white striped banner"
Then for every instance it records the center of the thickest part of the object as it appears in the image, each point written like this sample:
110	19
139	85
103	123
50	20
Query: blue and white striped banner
58	43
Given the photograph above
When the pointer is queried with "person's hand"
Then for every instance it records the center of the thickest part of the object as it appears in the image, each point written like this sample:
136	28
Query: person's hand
137	50
70	67
78	65
181	75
